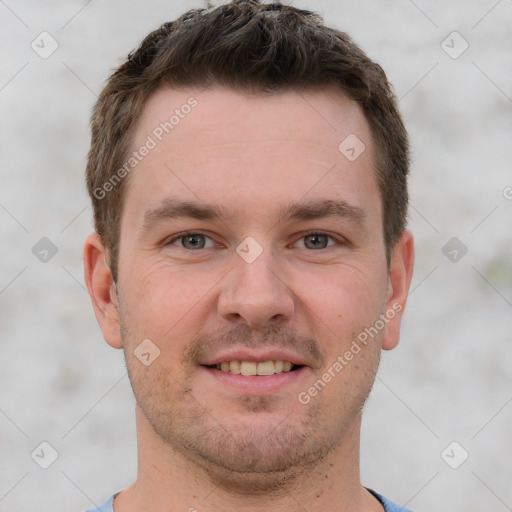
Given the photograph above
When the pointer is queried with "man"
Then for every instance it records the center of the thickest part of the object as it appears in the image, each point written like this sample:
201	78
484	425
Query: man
248	176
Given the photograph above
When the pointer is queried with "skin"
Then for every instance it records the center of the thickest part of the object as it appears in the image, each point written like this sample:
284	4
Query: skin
202	444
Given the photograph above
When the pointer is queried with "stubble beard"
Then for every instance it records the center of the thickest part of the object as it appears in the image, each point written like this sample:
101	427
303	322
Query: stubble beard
243	457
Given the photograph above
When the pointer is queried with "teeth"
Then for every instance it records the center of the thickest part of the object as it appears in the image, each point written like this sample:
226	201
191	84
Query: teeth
248	368
266	368
233	367
253	368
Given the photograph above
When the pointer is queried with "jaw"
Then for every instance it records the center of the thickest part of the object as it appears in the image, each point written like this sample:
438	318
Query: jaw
248	465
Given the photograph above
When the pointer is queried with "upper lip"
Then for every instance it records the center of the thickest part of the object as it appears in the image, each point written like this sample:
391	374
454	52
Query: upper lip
255	356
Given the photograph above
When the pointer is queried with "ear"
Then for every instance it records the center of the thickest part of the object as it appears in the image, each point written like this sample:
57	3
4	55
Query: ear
101	286
400	275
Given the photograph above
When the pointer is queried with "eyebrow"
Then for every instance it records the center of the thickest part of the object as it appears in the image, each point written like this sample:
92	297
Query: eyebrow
318	209
173	208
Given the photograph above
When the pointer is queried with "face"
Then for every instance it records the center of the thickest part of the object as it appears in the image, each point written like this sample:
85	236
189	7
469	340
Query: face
251	243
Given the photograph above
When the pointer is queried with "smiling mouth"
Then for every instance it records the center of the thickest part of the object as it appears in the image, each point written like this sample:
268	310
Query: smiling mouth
251	368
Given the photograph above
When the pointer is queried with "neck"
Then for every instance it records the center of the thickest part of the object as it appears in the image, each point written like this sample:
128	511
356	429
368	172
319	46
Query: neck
169	481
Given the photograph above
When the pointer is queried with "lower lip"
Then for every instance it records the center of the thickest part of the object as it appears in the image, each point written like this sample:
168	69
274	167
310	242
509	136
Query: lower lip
256	384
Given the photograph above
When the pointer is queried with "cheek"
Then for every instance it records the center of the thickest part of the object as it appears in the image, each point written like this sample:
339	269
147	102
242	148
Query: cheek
346	304
163	300
345	300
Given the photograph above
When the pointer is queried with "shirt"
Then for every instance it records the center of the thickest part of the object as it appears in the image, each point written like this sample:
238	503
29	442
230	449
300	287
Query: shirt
388	505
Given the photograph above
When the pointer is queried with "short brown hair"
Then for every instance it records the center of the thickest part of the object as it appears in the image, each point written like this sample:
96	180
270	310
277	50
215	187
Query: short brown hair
248	47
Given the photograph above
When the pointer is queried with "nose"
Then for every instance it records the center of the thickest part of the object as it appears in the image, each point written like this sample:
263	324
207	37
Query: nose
255	293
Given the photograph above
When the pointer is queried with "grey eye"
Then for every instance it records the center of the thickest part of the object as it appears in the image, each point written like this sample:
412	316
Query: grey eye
316	241
193	241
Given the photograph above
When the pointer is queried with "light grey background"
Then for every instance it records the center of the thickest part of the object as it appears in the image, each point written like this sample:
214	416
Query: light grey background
450	378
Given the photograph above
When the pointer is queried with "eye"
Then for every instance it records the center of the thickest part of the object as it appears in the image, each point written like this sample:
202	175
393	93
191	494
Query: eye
192	241
316	241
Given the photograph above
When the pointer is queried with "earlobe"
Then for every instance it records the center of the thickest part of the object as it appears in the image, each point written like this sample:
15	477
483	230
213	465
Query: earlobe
400	275
102	289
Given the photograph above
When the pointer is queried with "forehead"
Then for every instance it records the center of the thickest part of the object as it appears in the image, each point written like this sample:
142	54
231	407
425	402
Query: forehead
308	115
277	147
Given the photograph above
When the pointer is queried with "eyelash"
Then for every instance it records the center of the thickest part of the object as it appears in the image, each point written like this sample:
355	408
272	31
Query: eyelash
337	240
171	241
